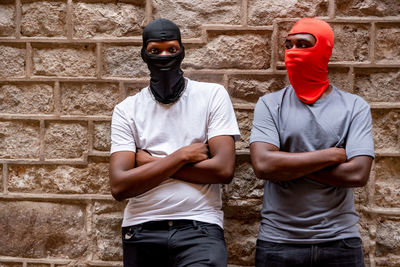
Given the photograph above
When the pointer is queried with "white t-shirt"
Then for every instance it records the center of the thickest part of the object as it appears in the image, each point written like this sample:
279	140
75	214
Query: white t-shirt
203	111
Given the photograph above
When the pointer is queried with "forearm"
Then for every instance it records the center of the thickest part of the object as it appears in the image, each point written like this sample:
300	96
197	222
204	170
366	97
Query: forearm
135	181
354	173
284	166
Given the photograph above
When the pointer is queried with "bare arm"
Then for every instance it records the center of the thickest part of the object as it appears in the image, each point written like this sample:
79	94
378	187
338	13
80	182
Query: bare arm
127	181
271	164
219	168
353	173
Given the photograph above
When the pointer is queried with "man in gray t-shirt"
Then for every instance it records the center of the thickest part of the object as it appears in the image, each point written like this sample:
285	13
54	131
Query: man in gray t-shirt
311	143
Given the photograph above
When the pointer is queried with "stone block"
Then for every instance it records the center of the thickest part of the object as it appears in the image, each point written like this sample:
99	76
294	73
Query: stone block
241	241
59	60
387	177
378	85
351	41
360	195
88	98
206	77
245	184
190	15
19	139
44	18
7	16
102	136
134	88
360	8
387	42
247	89
108	238
242	208
124	61
367	226
385	129
388	237
10	264
41	230
93	20
245	121
65	140
240	50
339	77
26	98
263	13
59	179
38	265
109	207
12	60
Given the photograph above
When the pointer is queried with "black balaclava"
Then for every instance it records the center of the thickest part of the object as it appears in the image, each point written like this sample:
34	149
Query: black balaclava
167	81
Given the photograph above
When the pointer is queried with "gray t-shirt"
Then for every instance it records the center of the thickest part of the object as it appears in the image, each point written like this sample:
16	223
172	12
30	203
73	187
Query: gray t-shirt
302	210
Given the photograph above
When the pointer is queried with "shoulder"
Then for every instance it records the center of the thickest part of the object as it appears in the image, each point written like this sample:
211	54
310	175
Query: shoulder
130	101
353	100
205	86
276	98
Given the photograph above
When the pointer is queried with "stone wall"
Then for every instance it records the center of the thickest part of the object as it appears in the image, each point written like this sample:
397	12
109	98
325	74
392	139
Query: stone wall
64	64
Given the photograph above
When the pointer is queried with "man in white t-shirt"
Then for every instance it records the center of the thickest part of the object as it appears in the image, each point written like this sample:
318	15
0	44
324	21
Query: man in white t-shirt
172	145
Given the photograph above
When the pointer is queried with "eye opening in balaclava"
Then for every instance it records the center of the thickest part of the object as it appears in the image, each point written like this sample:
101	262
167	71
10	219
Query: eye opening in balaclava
308	67
166	77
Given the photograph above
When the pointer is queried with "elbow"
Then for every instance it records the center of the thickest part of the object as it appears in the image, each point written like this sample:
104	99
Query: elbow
359	180
117	194
262	171
226	176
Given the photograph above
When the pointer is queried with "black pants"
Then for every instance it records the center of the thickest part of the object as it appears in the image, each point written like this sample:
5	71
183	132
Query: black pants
174	243
341	253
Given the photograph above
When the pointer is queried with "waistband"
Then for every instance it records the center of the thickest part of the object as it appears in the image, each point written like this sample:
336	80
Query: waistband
166	224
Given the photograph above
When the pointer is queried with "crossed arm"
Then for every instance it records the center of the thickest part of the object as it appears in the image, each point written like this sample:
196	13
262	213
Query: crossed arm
327	166
196	163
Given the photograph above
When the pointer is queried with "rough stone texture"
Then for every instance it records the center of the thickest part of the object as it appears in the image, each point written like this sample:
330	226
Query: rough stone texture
108	237
26	98
351	42
190	15
387	187
386	130
241	51
134	88
366	225
10	264
245	120
378	85
19	139
265	12
241	241
387	40
43	18
40	230
361	8
7	14
63	179
108	19
245	184
124	61
339	77
102	136
65	140
64	61
248	89
12	61
388	237
88	98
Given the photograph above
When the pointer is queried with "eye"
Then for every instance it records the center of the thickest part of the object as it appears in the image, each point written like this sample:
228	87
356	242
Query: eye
154	51
173	50
288	44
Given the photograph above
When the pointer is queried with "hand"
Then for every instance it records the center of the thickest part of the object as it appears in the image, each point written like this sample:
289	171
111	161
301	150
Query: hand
143	157
195	152
339	154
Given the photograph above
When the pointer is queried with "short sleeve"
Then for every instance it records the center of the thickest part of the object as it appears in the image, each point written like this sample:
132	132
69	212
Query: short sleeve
121	134
222	119
264	126
359	141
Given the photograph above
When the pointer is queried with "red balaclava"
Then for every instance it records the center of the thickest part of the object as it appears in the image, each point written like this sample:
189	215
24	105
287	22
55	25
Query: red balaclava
308	67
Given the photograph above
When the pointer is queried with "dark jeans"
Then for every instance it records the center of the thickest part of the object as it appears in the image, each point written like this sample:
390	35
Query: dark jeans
174	243
341	253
